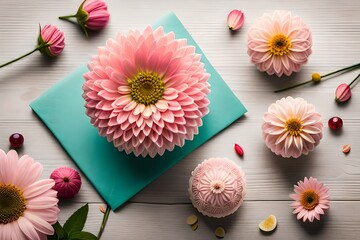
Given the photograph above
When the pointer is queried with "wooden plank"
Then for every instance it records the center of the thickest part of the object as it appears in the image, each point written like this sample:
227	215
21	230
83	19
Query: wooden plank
159	211
157	221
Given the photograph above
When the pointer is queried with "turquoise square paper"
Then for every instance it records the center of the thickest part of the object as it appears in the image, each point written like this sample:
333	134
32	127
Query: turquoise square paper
115	175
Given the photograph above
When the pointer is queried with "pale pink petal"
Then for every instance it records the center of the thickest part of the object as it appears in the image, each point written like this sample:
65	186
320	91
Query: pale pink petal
27	228
38	188
39	224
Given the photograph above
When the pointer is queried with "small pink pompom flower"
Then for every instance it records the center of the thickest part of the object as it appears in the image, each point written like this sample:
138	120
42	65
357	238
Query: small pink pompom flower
146	92
217	187
235	20
311	199
292	127
67	182
92	14
50	43
279	43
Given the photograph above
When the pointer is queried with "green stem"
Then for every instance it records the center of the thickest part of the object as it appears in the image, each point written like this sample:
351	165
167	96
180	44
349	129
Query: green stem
297	85
343	69
354	80
355	66
104	221
67	16
27	54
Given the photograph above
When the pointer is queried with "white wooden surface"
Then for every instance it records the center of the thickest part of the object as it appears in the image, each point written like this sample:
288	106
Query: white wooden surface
160	210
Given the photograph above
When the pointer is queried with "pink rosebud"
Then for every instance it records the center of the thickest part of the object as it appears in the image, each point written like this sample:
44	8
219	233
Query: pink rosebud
235	20
92	14
342	93
67	182
51	41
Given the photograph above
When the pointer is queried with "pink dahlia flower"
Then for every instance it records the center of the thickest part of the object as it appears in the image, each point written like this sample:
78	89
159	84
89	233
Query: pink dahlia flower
291	127
52	36
279	43
311	199
67	182
217	187
28	206
146	92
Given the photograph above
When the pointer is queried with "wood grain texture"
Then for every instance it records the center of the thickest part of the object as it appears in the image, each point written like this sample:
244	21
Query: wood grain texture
159	211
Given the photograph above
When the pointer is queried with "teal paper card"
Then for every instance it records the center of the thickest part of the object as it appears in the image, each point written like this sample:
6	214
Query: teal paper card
115	175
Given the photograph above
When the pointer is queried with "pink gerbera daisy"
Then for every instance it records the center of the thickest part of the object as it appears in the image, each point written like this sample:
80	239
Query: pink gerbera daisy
292	127
146	92
279	43
311	198
28	206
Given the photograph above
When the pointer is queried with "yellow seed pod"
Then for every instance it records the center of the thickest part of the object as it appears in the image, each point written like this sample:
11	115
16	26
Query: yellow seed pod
316	77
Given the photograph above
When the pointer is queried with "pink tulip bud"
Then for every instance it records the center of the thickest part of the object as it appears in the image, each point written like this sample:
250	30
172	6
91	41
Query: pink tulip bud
342	93
92	14
51	41
235	20
67	182
98	15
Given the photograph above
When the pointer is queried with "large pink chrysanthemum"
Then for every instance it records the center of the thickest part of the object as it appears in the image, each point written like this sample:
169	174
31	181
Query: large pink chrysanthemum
146	92
291	127
279	43
217	187
311	198
28	206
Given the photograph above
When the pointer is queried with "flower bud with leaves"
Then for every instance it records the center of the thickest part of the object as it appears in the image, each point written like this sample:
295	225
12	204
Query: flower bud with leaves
50	43
92	14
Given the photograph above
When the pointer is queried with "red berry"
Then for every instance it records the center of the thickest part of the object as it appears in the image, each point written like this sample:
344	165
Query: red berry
16	140
335	123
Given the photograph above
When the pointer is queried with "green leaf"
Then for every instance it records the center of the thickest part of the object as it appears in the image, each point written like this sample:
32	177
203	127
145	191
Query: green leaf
82	236
77	220
52	237
59	232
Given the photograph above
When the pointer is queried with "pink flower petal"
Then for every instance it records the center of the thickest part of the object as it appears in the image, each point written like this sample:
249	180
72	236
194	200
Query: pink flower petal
27	228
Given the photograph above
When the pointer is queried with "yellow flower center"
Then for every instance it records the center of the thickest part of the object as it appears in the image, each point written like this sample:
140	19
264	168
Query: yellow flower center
309	199
12	203
279	44
146	87
294	126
